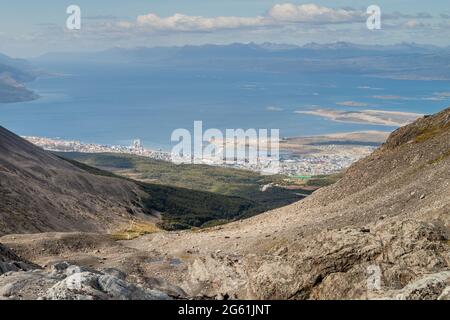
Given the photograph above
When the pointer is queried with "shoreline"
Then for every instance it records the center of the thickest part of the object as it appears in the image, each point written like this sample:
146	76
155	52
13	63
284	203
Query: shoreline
368	116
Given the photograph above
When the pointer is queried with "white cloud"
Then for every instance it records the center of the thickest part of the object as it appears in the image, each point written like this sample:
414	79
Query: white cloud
124	24
273	108
414	24
278	15
313	13
181	22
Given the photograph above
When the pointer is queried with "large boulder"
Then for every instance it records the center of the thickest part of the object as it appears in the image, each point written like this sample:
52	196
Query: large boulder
68	282
434	286
9	261
351	263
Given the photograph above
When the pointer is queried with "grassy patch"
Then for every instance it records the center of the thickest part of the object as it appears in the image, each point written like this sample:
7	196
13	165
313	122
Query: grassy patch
135	230
214	223
184	208
225	181
430	132
441	157
323	181
89	168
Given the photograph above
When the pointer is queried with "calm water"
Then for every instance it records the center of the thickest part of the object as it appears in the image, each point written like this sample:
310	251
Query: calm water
116	104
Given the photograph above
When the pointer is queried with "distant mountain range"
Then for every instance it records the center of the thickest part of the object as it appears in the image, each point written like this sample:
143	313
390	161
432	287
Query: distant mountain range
407	61
268	48
402	61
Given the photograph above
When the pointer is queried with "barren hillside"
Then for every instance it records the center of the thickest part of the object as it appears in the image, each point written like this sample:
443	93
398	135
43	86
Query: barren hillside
40	192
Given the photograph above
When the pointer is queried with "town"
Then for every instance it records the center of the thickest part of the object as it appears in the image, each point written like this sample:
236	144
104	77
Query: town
331	159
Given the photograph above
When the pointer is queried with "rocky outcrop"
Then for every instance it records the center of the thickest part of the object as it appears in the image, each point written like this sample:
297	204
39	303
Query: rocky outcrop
428	287
69	282
331	265
9	261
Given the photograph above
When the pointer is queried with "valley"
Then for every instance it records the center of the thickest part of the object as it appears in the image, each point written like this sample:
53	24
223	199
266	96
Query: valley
255	193
359	209
389	210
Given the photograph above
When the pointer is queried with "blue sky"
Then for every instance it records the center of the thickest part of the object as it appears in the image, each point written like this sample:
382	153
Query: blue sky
32	28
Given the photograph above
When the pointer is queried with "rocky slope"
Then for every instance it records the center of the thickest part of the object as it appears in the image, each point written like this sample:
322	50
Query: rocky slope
387	220
40	192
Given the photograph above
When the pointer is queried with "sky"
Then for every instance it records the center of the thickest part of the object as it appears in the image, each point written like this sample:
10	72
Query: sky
31	28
